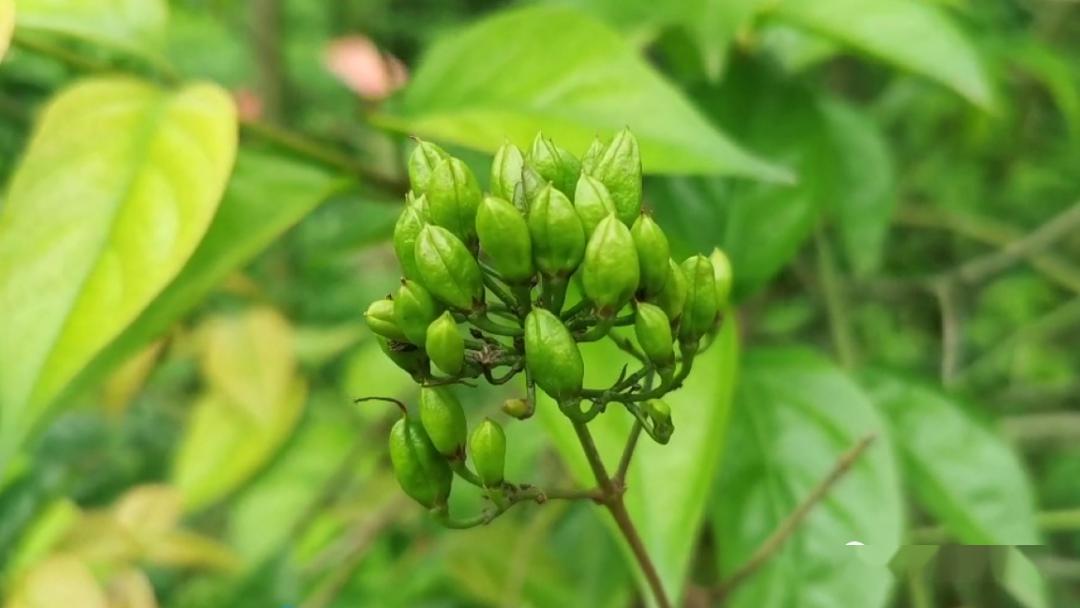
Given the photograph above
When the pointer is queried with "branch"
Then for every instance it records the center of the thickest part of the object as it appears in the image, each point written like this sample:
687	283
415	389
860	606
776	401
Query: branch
788	527
628	453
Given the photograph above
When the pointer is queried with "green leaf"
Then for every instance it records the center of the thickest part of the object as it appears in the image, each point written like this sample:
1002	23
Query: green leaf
131	24
7	24
964	474
912	35
795	415
129	177
667	485
861	185
555	69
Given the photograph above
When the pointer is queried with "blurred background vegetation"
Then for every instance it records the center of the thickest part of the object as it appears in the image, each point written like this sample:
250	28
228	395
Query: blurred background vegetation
894	180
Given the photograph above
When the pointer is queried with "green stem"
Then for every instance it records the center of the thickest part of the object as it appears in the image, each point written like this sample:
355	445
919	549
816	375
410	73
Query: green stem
482	321
835	302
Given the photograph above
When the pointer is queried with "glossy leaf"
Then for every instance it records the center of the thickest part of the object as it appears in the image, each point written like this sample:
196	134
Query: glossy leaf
126	210
557	70
795	414
135	24
912	35
667	485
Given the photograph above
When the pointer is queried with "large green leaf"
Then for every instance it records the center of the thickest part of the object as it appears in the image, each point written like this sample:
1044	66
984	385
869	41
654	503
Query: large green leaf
795	414
553	68
7	24
910	34
133	24
667	485
117	188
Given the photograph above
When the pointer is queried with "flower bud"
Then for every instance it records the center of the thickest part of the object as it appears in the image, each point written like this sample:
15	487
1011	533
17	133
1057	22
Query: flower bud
453	196
619	168
422	162
379	317
487	446
414	310
448	269
722	271
701	308
653	253
504	238
506	171
558	239
406	356
610	272
653	331
555	164
593	202
444	344
591	158
672	297
552	356
407	228
443	420
660	414
420	470
521	409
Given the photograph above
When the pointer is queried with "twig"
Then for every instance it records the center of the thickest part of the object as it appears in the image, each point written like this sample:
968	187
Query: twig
945	294
788	527
628	454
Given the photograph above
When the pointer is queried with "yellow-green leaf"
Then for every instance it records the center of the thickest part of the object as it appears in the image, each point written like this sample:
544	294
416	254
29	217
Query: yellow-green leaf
7	24
61	580
133	24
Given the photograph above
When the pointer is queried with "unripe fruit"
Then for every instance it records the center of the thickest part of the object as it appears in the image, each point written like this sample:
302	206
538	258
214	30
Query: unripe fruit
701	308
660	414
653	331
672	297
453	197
506	171
552	356
518	408
422	162
555	164
379	317
448	269
610	272
443	420
504	238
408	227
653	253
487	446
420	470
592	156
558	239
406	356
619	168
722	271
414	310
444	344
531	185
593	202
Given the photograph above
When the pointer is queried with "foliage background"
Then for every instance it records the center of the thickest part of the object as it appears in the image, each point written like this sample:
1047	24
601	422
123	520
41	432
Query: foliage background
894	179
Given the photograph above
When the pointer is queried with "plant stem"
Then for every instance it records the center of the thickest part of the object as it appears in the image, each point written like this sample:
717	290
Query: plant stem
628	453
835	303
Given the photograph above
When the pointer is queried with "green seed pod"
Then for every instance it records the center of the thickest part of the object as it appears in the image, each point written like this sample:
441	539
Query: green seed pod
653	330
619	168
406	356
518	408
379	317
701	308
504	237
672	297
593	202
653	253
722	270
420	469
552	356
448	269
558	239
555	164
660	414
443	420
407	228
531	185
444	344
453	197
487	446
591	158
610	273
414	310
422	162
506	171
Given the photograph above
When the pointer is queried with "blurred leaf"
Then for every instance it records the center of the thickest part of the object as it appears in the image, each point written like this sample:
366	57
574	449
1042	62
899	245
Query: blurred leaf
912	35
133	24
964	474
61	580
714	25
128	379
184	549
148	511
41	536
7	24
861	188
131	589
146	193
1022	580
794	49
795	414
667	485
555	69
1054	71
